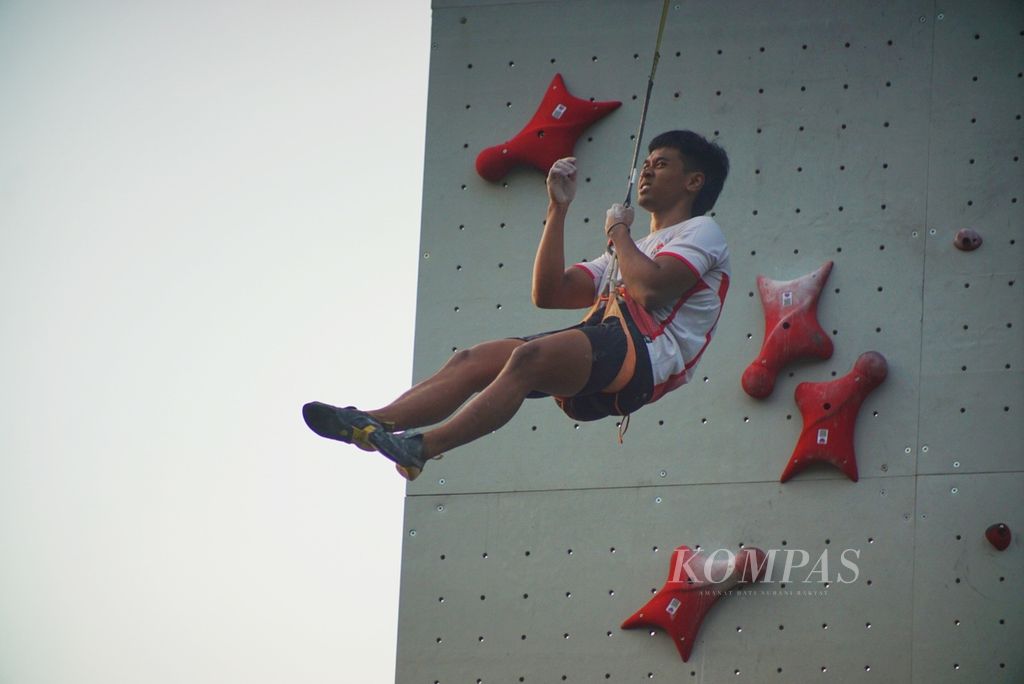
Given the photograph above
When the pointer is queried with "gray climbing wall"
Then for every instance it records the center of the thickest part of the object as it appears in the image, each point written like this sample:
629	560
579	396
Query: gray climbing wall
866	133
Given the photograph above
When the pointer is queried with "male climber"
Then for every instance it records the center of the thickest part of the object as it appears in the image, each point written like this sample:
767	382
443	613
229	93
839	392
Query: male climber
673	280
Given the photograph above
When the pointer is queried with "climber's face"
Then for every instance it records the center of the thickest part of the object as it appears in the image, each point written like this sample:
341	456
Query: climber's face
665	182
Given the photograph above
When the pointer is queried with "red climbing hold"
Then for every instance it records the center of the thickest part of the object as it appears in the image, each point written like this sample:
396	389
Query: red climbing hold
791	328
695	582
999	535
967	240
830	414
550	135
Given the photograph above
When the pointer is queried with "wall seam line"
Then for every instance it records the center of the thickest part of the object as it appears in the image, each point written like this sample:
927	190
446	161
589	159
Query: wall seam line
920	356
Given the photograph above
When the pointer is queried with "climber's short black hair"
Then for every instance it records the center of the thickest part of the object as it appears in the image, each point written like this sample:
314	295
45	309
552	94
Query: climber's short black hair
699	154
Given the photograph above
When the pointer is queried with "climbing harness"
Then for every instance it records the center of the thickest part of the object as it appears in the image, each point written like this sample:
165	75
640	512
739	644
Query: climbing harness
631	387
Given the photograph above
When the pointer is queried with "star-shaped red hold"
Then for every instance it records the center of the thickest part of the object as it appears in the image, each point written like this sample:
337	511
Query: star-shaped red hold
550	135
830	414
695	582
791	328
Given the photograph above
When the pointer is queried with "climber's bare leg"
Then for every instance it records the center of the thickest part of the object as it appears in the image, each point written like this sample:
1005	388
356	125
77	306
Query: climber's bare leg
558	364
467	372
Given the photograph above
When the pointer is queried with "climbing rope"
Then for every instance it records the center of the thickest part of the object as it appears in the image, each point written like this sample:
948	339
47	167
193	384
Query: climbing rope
647	101
639	141
609	288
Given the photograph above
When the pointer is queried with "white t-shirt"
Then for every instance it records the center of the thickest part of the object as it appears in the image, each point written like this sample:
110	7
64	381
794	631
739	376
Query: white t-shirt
684	327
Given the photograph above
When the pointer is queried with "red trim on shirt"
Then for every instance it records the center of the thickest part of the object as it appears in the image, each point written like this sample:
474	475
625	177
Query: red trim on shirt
696	273
697	287
585	270
671	383
723	290
674	381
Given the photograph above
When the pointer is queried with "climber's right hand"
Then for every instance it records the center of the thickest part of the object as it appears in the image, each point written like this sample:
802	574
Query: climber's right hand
562	181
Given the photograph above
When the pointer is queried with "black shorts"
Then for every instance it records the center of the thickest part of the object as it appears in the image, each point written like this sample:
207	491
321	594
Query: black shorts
609	349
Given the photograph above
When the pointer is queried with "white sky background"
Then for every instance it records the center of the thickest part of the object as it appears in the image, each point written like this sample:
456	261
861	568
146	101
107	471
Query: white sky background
209	215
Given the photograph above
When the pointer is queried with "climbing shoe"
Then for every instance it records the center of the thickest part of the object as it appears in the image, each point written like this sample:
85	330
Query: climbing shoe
349	424
412	473
405	449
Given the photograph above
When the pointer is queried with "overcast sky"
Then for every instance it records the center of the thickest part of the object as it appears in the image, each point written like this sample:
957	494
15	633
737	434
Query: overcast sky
209	214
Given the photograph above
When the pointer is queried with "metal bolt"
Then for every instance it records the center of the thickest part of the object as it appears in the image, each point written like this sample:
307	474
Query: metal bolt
412	533
924	449
956	464
440	508
426	255
441	482
954	490
941	16
663	473
923	19
657	500
907	450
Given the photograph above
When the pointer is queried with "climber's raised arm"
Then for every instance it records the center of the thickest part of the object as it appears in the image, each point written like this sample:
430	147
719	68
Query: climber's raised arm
554	285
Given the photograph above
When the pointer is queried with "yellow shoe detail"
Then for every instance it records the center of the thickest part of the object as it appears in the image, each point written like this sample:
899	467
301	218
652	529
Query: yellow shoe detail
361	437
